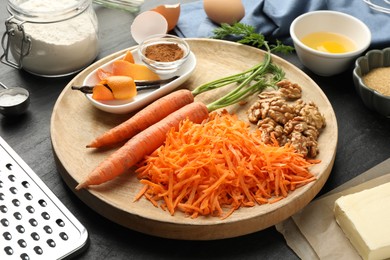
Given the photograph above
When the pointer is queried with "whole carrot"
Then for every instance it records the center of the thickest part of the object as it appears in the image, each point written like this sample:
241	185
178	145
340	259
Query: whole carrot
143	144
144	118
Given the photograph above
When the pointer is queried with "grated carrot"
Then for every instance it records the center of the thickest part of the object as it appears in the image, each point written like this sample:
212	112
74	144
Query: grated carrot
218	166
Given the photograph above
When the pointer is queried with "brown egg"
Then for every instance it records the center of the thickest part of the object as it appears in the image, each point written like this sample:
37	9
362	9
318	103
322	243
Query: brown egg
224	11
170	12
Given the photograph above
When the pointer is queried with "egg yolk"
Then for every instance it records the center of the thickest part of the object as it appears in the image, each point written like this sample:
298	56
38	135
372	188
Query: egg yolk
328	42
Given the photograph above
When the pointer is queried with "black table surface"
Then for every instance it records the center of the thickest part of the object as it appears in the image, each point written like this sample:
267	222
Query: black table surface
363	142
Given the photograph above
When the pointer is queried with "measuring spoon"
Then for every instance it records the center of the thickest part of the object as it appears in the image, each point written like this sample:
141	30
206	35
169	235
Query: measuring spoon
13	101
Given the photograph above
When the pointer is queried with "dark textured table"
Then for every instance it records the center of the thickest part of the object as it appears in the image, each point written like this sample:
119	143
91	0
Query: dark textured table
364	141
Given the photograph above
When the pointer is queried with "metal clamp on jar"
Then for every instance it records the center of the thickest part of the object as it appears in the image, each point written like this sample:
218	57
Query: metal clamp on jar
50	38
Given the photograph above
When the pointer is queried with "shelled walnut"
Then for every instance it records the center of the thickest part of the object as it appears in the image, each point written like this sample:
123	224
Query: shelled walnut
283	114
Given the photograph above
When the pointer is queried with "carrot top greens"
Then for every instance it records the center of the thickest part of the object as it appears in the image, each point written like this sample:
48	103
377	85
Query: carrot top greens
254	80
246	34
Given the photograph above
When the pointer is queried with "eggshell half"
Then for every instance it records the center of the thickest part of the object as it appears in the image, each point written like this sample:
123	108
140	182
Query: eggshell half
170	12
146	24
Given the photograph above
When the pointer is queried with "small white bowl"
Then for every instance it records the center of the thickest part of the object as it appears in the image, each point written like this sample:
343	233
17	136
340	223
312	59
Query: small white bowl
323	63
164	67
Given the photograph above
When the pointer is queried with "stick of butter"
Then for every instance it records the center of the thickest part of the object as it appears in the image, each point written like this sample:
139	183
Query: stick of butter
364	217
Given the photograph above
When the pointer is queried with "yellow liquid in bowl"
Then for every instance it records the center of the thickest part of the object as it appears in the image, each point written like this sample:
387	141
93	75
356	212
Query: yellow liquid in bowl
329	42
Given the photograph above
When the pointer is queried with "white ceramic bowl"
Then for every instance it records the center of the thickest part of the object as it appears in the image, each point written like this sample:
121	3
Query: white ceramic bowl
323	63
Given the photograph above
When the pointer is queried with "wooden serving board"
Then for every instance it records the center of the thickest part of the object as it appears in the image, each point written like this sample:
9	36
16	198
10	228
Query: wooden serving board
75	122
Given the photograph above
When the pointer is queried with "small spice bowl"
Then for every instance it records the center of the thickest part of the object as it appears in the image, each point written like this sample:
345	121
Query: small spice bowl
371	77
164	53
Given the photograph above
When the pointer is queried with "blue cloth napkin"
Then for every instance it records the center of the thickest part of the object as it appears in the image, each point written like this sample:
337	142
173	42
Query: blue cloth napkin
272	18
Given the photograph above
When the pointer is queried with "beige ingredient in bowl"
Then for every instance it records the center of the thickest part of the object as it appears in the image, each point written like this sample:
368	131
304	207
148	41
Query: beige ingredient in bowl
378	79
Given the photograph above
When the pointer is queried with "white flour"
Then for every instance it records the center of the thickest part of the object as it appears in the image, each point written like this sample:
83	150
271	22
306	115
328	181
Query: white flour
59	48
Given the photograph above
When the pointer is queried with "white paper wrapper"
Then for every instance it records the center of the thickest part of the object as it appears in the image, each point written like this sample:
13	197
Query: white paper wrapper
313	232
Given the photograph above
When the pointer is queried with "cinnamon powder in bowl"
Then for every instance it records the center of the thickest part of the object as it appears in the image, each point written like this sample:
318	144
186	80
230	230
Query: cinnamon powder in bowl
164	53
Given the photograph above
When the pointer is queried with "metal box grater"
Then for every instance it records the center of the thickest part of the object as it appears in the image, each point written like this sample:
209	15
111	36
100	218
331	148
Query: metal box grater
34	224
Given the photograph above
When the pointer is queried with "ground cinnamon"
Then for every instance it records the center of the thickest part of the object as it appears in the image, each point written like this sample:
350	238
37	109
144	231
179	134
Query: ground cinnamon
164	52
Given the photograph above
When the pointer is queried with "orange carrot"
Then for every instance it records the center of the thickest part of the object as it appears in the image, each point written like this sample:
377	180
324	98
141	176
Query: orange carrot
218	166
144	118
143	144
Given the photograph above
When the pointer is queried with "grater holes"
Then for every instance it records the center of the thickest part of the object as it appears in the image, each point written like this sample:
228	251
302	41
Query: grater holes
16	202
20	229
18	216
28	196
60	222
35	236
9	166
64	236
25	184
42	202
51	242
38	250
45	215
4	222
33	222
48	229
13	190
7	235
22	243
31	225
30	209
3	209
8	250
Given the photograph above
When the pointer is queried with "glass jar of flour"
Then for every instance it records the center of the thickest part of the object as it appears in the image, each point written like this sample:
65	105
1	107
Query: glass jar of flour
50	38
